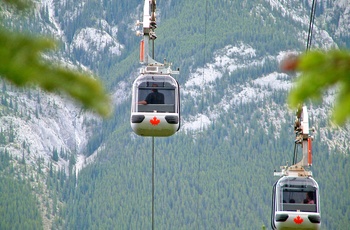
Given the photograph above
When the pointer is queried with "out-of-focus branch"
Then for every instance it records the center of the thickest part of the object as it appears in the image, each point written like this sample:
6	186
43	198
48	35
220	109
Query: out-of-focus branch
321	70
22	63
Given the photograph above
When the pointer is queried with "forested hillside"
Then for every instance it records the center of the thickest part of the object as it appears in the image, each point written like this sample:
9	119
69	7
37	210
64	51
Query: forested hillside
17	205
217	171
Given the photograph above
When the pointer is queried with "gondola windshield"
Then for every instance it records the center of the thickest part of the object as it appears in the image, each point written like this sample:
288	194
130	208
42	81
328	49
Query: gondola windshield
155	94
297	194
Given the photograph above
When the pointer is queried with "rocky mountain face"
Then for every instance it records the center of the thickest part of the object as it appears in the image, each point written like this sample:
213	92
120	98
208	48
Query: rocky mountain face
243	56
41	123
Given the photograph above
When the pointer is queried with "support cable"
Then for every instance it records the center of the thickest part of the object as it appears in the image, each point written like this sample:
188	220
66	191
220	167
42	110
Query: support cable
311	25
295	154
202	101
153	22
152	182
308	46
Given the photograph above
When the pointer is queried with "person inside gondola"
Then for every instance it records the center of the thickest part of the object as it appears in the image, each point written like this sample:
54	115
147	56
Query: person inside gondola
309	198
154	97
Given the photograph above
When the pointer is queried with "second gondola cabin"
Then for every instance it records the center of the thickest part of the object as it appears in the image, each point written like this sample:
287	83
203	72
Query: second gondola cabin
295	203
155	107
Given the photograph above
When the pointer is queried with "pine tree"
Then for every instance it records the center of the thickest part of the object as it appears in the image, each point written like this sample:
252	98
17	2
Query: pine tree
55	155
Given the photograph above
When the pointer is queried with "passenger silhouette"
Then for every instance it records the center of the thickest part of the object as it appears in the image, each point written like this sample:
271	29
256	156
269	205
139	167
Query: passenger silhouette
154	97
309	198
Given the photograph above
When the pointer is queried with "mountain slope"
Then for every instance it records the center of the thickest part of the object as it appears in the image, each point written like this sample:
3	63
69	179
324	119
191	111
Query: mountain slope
236	127
205	178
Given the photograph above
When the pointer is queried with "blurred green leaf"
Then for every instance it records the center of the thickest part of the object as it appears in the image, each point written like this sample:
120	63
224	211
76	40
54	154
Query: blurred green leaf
21	63
19	4
320	71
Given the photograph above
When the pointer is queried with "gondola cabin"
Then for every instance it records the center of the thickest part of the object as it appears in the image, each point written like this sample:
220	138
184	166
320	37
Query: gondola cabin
155	107
296	203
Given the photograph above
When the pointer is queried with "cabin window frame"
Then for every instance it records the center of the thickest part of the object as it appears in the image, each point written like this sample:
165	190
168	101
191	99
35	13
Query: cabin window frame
166	85
292	188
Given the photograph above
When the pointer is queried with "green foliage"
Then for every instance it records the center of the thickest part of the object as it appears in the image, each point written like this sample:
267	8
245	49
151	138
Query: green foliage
20	4
22	63
321	71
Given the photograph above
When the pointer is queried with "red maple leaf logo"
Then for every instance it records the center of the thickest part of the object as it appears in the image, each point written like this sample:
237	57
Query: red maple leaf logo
154	121
298	220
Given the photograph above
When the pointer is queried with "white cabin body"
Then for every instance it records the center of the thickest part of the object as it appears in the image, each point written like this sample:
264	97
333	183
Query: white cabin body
296	203
160	119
